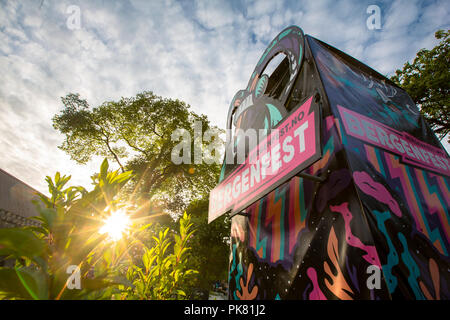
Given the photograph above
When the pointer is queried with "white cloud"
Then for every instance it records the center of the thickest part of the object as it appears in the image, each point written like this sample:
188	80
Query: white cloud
401	14
214	13
258	8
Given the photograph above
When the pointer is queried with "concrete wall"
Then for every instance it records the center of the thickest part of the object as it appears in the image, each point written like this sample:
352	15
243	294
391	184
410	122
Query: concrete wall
15	206
15	201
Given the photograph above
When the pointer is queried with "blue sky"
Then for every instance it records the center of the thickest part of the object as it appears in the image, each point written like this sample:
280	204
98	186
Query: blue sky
201	52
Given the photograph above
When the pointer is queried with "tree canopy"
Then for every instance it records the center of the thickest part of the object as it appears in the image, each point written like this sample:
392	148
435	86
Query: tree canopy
136	133
427	81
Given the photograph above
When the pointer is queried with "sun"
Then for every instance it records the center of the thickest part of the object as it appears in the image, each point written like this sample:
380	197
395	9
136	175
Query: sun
116	224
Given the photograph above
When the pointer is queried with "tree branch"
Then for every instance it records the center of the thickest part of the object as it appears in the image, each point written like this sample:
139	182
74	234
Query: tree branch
134	146
110	150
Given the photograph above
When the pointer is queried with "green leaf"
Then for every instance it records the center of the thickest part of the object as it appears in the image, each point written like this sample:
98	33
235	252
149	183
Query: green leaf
23	283
48	216
144	227
104	169
20	243
123	177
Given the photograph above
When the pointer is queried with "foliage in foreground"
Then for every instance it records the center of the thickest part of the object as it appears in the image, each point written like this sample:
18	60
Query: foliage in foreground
68	234
135	133
162	272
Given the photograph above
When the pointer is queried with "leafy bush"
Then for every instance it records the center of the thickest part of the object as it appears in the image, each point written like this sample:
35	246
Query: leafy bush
68	234
164	272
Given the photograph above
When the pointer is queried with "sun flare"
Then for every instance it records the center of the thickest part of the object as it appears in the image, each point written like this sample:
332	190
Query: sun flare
115	225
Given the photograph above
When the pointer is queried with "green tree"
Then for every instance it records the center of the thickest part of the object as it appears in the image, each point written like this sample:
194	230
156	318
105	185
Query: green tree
427	81
210	246
136	133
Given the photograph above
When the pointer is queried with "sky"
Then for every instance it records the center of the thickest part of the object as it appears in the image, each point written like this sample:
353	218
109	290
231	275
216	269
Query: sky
201	52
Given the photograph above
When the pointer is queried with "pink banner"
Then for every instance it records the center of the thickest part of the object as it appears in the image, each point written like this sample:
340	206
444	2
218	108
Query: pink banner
412	150
288	149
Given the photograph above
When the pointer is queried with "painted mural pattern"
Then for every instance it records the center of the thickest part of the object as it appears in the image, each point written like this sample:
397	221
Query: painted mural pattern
301	246
407	205
311	240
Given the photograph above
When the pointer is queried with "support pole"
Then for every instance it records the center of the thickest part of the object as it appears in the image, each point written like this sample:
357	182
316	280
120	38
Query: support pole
311	177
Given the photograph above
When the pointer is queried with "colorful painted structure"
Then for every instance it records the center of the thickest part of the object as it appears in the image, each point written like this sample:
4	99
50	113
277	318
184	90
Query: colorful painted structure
381	201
